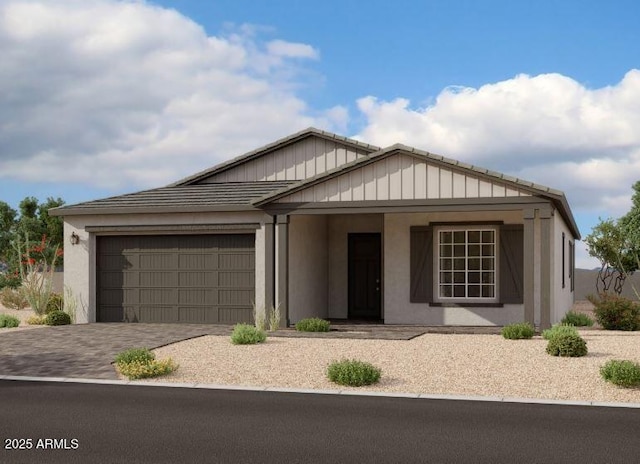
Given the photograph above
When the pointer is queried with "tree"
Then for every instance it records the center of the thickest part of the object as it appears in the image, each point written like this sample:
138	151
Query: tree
616	244
7	226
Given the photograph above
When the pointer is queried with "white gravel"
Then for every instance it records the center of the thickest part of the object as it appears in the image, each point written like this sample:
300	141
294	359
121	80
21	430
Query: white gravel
486	365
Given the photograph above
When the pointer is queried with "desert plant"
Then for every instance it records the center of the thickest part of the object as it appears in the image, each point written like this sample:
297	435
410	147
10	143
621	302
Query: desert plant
567	345
139	355
8	321
259	317
245	334
313	324
353	373
13	298
559	329
143	370
577	319
274	318
37	320
36	272
622	373
518	331
57	318
616	313
55	303
70	303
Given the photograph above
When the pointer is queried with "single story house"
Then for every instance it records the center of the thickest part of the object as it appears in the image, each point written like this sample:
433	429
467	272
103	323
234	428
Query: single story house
322	225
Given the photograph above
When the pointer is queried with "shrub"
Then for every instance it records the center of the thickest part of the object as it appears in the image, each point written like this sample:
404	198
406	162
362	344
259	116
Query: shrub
13	298
313	324
621	373
55	303
518	331
353	373
9	321
37	320
57	318
139	355
9	280
559	329
577	319
274	318
567	345
616	313
142	370
245	334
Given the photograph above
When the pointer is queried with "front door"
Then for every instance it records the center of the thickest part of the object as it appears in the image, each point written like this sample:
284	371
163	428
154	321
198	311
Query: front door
365	276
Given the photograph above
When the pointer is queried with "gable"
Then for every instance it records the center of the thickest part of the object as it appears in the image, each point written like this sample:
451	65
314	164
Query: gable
402	176
300	160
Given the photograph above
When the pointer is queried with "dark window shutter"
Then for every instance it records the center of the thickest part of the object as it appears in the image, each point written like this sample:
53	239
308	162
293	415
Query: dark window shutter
511	263
421	262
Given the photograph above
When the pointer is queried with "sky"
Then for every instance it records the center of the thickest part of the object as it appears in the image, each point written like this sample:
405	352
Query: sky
104	97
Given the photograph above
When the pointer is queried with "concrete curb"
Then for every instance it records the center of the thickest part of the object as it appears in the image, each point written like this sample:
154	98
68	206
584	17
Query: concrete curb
495	399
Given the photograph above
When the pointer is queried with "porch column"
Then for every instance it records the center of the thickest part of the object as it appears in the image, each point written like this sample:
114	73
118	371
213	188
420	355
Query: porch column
545	268
269	264
528	264
282	268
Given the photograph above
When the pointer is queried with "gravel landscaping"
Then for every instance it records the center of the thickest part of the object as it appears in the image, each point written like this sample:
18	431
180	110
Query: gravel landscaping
486	365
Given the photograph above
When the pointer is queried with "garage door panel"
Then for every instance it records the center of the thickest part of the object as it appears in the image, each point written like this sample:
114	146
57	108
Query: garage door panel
198	279
183	278
157	279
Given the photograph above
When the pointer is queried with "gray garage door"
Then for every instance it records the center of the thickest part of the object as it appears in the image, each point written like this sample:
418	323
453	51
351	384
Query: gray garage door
177	278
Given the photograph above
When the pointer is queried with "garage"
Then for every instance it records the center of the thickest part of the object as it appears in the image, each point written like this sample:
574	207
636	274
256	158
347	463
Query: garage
175	278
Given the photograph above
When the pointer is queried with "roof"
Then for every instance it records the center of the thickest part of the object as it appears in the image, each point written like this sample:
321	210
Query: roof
206	197
308	132
556	196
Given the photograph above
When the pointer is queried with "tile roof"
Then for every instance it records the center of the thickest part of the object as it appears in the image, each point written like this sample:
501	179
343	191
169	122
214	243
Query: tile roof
204	197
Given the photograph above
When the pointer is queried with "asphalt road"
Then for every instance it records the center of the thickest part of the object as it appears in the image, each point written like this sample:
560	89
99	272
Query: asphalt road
138	424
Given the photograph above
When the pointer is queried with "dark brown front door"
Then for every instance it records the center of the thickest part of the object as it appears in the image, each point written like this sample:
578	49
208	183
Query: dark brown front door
365	280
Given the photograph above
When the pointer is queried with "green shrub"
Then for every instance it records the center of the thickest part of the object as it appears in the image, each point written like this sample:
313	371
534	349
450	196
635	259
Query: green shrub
57	318
353	373
313	324
146	369
245	334
567	345
9	321
13	298
138	355
616	313
55	303
621	373
559	329
577	319
518	331
9	280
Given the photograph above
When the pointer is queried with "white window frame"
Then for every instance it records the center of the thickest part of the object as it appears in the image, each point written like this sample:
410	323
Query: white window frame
437	260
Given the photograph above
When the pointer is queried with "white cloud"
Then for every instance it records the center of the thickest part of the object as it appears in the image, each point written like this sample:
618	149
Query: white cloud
547	128
131	95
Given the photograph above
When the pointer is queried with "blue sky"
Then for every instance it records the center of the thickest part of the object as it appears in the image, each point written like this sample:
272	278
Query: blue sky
102	97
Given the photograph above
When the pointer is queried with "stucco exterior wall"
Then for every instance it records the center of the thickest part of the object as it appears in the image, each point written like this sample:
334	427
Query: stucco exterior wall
339	226
562	297
308	267
397	307
80	260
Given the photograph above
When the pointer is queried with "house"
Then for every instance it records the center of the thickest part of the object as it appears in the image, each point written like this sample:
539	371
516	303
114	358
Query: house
322	225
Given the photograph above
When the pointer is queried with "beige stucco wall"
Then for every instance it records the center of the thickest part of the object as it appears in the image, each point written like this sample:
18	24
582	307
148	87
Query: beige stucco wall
562	298
339	227
397	307
80	260
308	267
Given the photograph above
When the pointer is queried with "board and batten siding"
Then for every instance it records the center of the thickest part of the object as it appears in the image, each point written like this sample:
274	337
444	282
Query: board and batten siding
401	177
298	161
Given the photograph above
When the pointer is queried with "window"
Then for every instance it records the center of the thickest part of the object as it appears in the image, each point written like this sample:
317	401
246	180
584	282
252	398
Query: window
466	263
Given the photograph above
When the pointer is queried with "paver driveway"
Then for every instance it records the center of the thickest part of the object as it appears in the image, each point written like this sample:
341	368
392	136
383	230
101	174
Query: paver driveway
86	350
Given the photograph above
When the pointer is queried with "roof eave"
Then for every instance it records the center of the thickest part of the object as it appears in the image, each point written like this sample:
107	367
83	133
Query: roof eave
96	210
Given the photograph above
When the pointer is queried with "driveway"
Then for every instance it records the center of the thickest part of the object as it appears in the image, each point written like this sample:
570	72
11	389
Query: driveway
86	350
